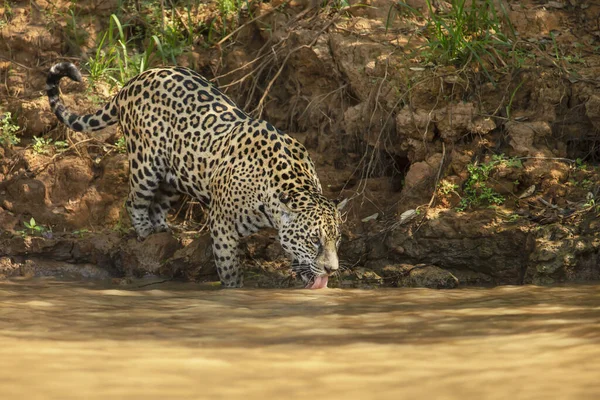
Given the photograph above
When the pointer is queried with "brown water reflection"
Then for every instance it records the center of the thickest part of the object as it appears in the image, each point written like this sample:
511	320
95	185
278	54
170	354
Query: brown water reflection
63	340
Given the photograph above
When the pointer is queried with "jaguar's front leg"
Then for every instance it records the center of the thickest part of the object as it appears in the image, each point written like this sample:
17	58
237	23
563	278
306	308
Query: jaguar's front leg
225	250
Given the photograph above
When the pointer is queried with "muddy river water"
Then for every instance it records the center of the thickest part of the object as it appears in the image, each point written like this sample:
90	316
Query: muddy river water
65	340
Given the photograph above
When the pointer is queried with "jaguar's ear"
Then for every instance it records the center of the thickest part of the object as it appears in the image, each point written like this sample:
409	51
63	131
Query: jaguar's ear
340	203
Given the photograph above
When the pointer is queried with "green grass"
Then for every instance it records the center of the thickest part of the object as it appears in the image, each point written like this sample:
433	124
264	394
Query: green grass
156	36
228	19
74	32
114	59
465	34
118	58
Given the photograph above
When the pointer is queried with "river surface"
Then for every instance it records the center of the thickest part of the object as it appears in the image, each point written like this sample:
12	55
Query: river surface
65	340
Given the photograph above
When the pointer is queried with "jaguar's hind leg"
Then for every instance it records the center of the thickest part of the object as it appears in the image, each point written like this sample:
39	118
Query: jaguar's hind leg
164	199
144	178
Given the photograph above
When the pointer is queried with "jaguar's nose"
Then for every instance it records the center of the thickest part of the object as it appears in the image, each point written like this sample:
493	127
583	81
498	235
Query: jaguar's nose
330	269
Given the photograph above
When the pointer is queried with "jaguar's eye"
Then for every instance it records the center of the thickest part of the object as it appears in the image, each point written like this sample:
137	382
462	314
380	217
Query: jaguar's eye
315	240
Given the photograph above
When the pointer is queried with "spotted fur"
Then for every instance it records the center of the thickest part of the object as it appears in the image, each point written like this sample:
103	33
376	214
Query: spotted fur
183	135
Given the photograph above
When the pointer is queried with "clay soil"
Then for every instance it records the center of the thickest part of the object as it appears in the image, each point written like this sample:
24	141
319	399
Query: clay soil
399	134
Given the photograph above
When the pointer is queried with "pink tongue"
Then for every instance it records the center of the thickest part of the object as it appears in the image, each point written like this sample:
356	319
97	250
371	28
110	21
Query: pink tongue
319	283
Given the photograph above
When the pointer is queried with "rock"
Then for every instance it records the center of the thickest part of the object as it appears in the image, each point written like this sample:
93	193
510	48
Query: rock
35	121
592	110
351	52
455	120
416	150
373	125
8	222
465	242
356	278
473	278
193	262
110	256
60	269
427	276
416	124
525	136
8	268
68	179
451	122
29	191
562	256
419	180
353	249
146	257
418	174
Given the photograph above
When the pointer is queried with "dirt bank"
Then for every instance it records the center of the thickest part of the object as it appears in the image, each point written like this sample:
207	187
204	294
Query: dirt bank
482	170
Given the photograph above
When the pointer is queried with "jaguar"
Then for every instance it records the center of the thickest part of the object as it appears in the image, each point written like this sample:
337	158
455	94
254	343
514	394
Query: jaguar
185	136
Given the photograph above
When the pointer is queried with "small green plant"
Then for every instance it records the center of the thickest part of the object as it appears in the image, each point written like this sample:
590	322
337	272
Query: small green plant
34	228
576	58
559	55
41	145
580	165
586	183
8	14
8	130
510	162
228	7
61	145
100	65
80	232
476	189
335	4
591	202
121	145
513	217
447	188
120	228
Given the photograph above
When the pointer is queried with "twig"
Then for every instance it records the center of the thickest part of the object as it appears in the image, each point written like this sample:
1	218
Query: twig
259	108
237	69
547	158
154	283
16	63
546	203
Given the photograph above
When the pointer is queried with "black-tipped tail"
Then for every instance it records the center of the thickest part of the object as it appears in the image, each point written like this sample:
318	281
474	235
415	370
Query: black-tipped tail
61	70
57	72
93	122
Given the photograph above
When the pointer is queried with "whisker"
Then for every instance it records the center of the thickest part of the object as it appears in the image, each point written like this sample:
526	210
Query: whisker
348	264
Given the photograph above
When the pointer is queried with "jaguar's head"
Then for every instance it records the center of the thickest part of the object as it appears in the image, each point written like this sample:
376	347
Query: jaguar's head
310	233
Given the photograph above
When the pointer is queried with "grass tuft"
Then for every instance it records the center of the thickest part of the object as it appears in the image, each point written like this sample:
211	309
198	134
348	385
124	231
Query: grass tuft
466	32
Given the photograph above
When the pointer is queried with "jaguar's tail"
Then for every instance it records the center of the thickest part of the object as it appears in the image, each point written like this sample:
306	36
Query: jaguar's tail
108	115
